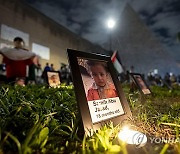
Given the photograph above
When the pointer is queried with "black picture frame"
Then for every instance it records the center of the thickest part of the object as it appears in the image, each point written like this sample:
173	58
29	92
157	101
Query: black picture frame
56	78
141	83
73	56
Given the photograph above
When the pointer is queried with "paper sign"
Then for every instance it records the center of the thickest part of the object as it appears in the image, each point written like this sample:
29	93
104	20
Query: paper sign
104	109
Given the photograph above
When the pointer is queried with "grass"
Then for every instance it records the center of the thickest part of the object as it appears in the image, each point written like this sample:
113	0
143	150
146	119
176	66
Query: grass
37	119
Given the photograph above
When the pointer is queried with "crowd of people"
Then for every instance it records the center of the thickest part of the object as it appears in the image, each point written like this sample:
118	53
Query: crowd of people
168	80
153	78
22	66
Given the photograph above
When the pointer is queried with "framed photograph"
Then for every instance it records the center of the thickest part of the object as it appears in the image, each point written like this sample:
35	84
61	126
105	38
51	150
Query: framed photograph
98	91
53	78
141	84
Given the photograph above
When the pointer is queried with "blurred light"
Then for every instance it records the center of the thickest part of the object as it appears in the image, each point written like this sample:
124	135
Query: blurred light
132	137
155	71
111	23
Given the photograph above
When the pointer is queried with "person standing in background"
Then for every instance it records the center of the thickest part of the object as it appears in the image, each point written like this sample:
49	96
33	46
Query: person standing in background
39	72
32	71
52	67
47	67
16	60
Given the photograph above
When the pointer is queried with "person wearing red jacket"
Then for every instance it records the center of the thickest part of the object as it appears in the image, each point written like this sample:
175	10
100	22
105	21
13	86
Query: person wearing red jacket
16	59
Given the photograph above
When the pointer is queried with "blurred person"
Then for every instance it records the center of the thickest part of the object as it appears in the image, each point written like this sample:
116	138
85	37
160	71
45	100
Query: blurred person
68	76
32	74
39	72
173	79
64	72
52	67
16	60
47	67
166	80
131	69
2	73
151	78
32	71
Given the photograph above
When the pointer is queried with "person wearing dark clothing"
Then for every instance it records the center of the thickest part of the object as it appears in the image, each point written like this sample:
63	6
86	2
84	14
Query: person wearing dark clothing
32	73
52	67
47	68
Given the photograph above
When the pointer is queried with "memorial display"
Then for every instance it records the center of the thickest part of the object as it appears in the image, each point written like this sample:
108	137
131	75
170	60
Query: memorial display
53	78
98	91
141	84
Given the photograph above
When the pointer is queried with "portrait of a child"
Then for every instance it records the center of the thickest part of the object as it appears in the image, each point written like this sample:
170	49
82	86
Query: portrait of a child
102	87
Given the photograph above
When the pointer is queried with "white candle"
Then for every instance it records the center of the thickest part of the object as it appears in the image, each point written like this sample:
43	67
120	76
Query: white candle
132	137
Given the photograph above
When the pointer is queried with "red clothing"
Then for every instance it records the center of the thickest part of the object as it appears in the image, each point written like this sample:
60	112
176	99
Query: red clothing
16	68
94	93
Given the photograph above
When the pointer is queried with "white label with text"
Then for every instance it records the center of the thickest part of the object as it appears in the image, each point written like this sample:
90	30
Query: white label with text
104	109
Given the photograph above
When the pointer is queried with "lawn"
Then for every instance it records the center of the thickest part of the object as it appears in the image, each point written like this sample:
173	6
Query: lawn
38	119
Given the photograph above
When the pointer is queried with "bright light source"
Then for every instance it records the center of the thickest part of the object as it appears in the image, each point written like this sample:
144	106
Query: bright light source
155	71
132	137
111	23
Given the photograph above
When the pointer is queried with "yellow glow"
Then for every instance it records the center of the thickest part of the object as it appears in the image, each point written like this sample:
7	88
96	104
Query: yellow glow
132	137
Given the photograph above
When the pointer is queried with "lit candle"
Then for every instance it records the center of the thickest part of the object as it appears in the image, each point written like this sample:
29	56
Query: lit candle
132	137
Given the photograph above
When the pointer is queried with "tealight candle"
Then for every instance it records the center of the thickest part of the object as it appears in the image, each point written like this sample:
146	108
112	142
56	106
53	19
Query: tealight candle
132	137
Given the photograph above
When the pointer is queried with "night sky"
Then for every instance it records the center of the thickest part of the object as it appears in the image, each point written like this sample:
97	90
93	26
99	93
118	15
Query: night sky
88	18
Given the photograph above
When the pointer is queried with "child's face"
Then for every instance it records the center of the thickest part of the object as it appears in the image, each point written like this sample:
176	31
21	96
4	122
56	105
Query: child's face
53	78
99	74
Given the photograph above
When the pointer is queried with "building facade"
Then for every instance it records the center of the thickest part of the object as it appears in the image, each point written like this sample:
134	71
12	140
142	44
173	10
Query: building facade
41	34
139	47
